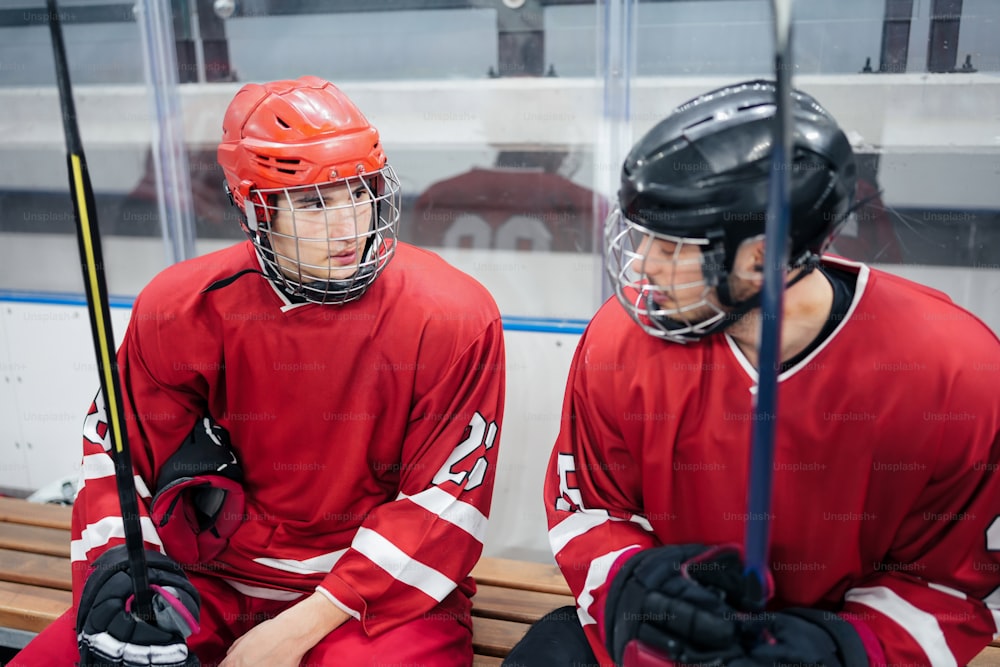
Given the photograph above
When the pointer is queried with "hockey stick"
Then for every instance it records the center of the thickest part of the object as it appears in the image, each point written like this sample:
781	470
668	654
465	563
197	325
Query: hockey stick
758	523
89	241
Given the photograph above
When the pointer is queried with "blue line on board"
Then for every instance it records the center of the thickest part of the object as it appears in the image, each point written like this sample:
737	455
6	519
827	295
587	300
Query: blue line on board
510	322
60	298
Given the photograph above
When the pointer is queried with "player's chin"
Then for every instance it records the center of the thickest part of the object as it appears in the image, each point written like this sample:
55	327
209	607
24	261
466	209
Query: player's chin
687	317
331	274
670	304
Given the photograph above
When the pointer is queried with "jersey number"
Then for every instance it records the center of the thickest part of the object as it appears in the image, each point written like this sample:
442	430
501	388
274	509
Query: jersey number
95	425
510	235
468	462
569	499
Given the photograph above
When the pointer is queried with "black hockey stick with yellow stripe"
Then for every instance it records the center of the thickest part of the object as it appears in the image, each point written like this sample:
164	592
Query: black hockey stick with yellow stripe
772	298
88	237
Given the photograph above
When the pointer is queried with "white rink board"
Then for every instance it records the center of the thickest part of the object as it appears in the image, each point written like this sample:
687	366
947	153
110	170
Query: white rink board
47	379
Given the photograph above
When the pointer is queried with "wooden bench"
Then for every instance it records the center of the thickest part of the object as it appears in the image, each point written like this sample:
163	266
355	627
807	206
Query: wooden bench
35	586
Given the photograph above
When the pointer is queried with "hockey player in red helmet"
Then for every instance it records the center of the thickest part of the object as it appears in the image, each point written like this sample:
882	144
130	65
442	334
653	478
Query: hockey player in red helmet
319	200
314	427
885	528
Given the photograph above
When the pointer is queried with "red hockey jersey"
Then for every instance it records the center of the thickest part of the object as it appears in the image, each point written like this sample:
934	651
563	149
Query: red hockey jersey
886	472
368	432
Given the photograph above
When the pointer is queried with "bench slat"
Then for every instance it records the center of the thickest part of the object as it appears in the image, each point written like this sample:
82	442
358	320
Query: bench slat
519	606
31	608
990	657
34	539
35	569
522	575
17	510
493	637
486	661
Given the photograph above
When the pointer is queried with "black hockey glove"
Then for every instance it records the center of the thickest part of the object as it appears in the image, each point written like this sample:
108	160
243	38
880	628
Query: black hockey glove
677	603
108	635
199	501
798	637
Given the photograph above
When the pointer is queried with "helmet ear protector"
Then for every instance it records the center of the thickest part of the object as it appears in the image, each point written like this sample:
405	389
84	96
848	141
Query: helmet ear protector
249	218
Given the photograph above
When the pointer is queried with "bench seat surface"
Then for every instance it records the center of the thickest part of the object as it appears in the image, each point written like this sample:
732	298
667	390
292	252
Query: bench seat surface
35	584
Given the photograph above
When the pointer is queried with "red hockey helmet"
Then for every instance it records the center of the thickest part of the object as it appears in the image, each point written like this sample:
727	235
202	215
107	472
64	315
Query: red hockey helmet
290	133
285	137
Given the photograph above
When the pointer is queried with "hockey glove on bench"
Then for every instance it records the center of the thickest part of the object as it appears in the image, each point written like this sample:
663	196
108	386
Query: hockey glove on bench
109	635
199	500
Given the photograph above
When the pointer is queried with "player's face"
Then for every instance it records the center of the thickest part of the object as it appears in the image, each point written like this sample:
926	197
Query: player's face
676	276
321	232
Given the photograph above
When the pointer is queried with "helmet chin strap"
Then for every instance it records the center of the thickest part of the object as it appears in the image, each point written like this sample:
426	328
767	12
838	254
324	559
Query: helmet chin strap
737	309
807	263
337	286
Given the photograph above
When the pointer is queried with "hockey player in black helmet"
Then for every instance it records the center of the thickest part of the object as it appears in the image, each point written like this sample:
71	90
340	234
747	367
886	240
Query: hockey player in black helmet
885	539
700	178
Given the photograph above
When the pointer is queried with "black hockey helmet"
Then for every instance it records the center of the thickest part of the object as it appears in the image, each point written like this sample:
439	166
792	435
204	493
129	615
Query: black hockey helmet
702	177
704	171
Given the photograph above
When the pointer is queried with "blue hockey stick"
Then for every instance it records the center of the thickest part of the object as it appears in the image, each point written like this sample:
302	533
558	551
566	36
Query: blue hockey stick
758	523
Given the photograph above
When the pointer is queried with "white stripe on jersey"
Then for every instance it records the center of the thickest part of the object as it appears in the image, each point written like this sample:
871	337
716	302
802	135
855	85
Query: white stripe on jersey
321	564
140	487
100	533
583	521
950	591
96	466
264	593
597	574
461	514
99	466
337	603
401	566
642	521
922	626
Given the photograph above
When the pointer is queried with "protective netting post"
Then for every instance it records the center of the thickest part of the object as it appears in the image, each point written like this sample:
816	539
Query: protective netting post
616	47
173	180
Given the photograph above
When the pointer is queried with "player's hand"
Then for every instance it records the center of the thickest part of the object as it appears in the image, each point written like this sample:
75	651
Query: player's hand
273	643
285	639
677	603
799	636
109	635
